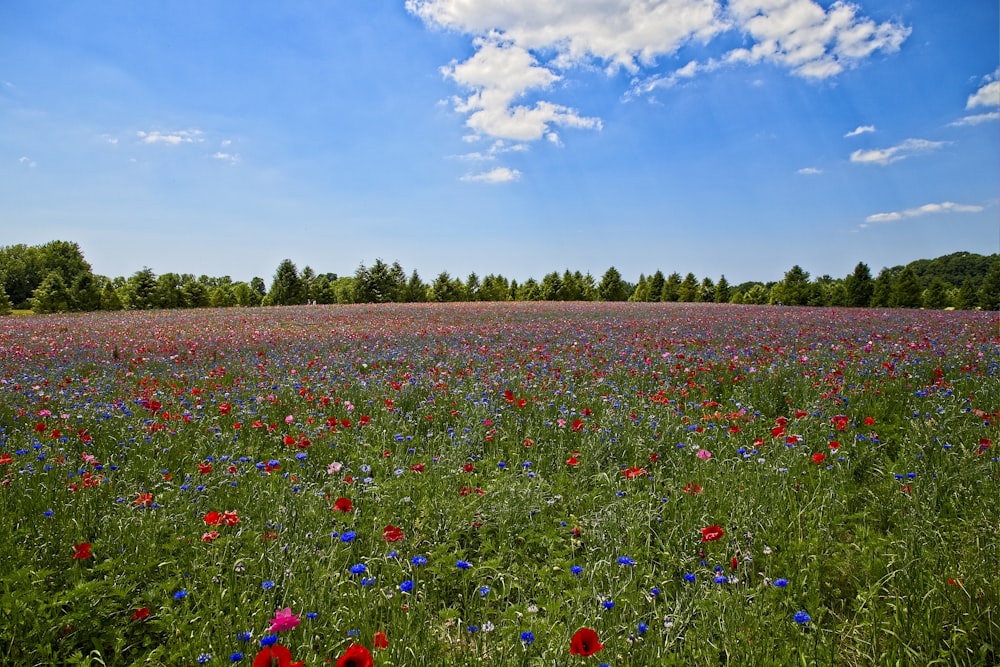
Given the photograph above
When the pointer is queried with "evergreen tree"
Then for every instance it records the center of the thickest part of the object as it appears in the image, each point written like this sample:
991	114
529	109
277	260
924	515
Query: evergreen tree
671	287
989	292
706	291
612	287
168	291
882	288
859	287
195	294
642	290
758	294
472	286
722	291
656	283
244	295
551	287
906	291
85	295
257	285
287	288
109	298
52	296
936	295
966	299
572	287
140	290
687	291
5	305
444	289
415	290
794	289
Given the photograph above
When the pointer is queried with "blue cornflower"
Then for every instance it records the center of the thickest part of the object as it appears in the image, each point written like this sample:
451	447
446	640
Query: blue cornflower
419	560
48	512
180	594
236	657
625	560
267	585
781	583
721	579
527	638
312	614
393	554
484	591
654	591
244	636
268	640
367	581
641	628
406	586
463	565
609	604
473	629
801	617
360	568
577	570
348	536
689	577
204	657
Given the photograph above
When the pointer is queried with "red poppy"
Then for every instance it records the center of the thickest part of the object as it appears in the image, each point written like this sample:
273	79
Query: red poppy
356	655
6	458
417	468
275	655
585	642
577	425
711	533
213	519
818	457
381	642
144	499
572	461
692	488
140	613
204	468
869	421
392	534
633	472
364	421
343	505
210	536
82	550
288	440
231	518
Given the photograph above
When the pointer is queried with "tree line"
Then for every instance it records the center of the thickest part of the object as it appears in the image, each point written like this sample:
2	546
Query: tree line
55	277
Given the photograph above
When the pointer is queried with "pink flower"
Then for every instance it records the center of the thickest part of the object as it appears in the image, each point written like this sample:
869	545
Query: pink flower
283	619
289	419
704	454
334	468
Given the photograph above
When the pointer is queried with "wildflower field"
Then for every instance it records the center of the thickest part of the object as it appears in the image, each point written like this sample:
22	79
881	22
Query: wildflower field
500	484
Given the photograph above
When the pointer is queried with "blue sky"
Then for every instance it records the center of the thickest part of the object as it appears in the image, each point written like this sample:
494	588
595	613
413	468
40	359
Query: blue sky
516	137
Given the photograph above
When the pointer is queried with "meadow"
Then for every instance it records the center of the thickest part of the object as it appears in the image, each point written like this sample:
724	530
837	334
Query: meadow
500	484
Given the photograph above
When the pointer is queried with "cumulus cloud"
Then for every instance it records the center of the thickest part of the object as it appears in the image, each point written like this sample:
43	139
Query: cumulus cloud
988	95
171	138
860	129
926	209
809	171
498	175
885	156
527	45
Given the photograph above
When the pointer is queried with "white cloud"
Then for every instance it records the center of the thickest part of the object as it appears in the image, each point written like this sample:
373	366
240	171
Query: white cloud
988	94
499	147
884	156
232	158
860	129
26	161
976	119
172	138
498	175
108	138
809	171
528	45
926	209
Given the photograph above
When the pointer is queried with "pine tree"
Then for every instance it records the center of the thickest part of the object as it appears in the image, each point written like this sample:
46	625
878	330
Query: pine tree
859	286
989	292
671	287
5	306
612	287
936	295
906	292
110	299
722	291
687	291
882	288
287	288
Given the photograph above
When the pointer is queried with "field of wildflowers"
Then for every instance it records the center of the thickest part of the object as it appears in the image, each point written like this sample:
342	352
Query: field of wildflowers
500	484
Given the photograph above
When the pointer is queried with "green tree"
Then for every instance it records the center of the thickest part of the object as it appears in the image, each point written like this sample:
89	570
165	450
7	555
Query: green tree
966	299
5	305
794	289
195	293
52	295
287	288
109	297
379	284
612	287
446	289
906	291
989	292
722	290
706	291
758	294
859	287
687	291
656	283
936	295
140	290
882	288
472	287
551	287
415	290
244	295
671	287
85	293
642	290
167	293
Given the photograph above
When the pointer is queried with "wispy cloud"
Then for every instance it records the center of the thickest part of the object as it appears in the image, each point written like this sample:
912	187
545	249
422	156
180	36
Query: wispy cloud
976	119
987	95
809	171
885	156
26	161
232	158
860	129
926	209
498	175
172	138
499	147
